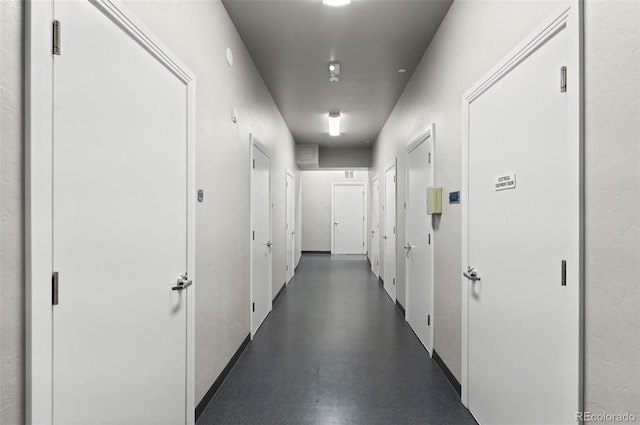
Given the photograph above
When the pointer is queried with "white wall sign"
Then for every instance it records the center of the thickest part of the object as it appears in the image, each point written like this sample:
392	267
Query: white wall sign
505	181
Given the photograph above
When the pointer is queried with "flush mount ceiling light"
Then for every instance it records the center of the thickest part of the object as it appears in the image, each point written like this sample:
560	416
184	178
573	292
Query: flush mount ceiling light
402	70
334	124
336	3
334	72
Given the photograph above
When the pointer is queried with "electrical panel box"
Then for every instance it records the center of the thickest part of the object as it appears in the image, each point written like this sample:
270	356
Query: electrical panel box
434	200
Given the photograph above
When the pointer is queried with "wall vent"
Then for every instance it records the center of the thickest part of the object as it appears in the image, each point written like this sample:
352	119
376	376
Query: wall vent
349	175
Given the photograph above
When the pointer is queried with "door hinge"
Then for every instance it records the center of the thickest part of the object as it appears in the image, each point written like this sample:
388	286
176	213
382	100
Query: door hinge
428	320
253	307
429	157
377	263
253	236
563	79
55	280
56	38
287	267
405	205
394	179
254	163
563	277
362	218
394	230
394	280
429	238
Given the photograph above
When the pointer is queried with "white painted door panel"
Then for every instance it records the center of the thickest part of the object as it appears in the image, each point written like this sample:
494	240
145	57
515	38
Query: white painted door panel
518	326
348	219
375	227
290	228
261	249
389	238
120	228
418	248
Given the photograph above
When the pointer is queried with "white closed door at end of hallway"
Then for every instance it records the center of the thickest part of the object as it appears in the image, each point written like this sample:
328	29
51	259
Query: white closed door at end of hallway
261	245
290	228
348	218
523	242
120	228
375	227
389	238
419	243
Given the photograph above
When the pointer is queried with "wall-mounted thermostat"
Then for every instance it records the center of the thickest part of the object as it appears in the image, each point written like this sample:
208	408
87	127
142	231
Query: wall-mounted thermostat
434	200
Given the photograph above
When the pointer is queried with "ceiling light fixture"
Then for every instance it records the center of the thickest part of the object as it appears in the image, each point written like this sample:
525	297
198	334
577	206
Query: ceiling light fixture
336	3
402	70
334	72
334	124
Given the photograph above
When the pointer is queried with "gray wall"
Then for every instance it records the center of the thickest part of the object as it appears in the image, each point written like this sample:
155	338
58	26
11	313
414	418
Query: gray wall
316	205
331	157
199	38
472	38
11	214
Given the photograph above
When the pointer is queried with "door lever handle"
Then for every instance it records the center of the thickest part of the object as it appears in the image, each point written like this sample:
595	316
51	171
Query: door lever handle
384	237
269	244
471	274
183	282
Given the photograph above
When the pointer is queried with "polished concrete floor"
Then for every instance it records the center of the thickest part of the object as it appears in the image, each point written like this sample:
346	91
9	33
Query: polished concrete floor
335	350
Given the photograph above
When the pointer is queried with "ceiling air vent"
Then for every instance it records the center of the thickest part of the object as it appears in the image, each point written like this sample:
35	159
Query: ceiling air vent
307	156
349	175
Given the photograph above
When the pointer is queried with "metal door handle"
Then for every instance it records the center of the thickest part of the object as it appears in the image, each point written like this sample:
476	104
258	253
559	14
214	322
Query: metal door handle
408	246
384	237
471	274
183	282
269	244
335	223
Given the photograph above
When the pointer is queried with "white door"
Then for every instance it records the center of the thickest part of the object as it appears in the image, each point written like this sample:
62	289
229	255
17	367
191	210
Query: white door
348	218
290	227
375	227
261	235
120	225
419	241
522	221
389	238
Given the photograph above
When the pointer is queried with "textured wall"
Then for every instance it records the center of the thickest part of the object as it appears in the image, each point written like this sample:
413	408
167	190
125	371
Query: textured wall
612	158
199	32
11	214
471	39
316	206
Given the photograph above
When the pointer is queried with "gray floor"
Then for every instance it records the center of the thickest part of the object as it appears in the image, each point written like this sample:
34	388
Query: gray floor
335	350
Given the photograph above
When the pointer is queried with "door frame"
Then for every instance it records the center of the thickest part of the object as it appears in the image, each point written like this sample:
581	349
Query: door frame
333	213
253	141
375	211
289	173
39	197
571	16
429	134
389	166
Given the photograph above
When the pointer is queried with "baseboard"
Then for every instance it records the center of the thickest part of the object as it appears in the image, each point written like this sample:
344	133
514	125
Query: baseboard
316	252
401	308
223	375
447	373
278	295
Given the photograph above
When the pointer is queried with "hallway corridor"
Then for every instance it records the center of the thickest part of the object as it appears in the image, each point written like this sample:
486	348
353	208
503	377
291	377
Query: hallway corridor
335	350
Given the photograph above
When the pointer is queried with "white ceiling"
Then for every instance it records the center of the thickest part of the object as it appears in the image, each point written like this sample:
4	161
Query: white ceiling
293	41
